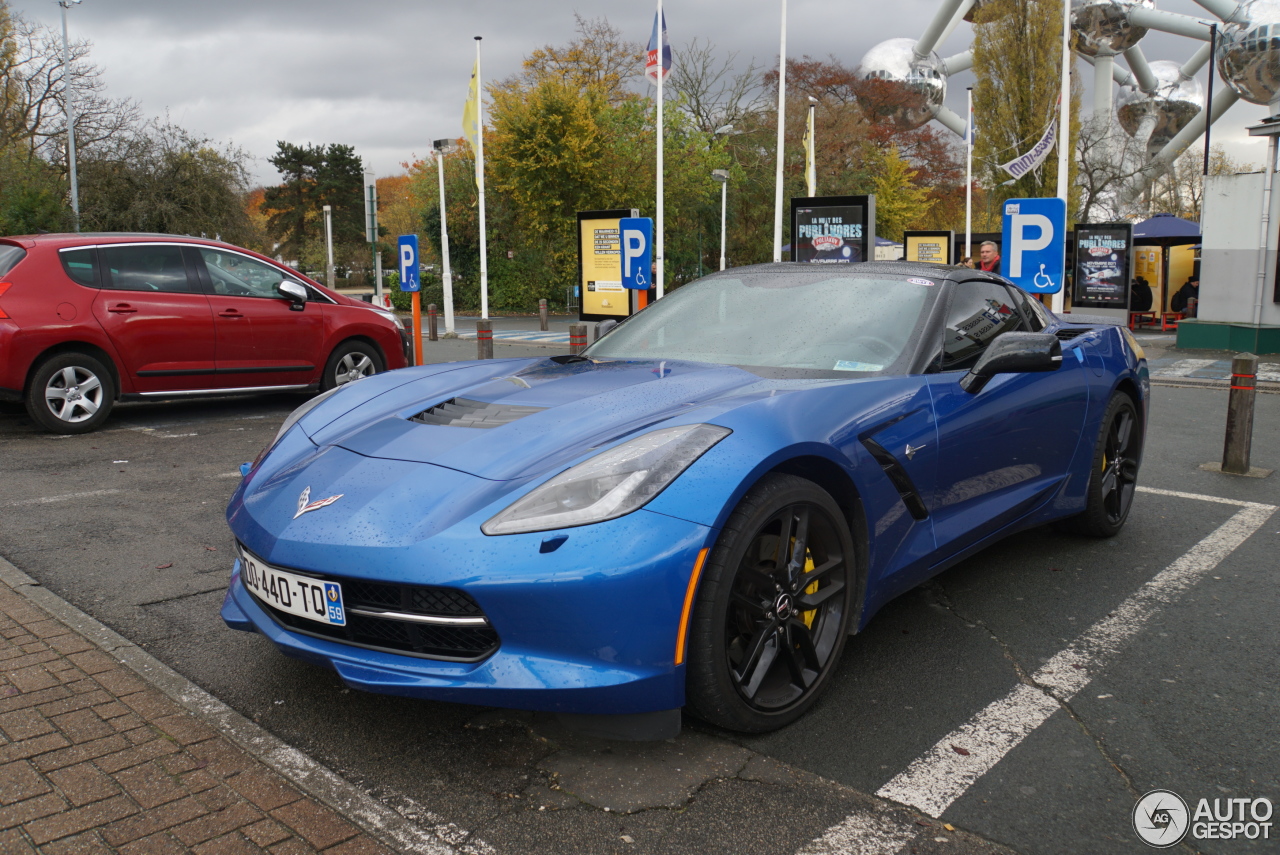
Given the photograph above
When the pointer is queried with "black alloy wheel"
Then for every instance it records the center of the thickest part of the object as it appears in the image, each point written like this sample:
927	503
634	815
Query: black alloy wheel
774	608
1114	479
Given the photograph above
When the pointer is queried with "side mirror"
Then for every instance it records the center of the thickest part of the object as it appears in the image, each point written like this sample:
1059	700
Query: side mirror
605	327
1014	353
294	293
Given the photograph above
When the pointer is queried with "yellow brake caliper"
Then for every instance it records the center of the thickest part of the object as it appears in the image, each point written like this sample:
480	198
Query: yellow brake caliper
808	616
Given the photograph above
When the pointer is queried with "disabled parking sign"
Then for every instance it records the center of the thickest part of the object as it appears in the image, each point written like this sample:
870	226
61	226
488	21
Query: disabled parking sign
637	252
408	246
1034	246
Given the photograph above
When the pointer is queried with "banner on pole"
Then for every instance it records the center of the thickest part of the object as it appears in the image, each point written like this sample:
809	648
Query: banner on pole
651	54
1030	161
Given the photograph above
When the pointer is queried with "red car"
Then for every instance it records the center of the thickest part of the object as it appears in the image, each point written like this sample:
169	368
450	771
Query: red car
89	319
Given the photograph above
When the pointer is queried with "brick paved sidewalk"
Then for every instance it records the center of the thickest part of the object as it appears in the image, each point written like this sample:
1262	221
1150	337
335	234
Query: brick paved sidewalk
94	759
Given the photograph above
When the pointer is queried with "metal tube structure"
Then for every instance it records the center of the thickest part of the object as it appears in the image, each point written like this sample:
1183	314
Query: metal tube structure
70	109
959	62
1224	9
782	114
965	6
1203	54
1141	69
1102	74
947	12
1168	22
950	120
446	276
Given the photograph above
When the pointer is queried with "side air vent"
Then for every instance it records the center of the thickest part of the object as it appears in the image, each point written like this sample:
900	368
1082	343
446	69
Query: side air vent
1068	333
463	412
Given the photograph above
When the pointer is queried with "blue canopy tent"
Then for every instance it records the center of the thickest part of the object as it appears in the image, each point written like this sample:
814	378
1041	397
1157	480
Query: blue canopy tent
1165	256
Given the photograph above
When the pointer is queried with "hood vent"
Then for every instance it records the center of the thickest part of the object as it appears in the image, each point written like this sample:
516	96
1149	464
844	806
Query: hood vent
463	412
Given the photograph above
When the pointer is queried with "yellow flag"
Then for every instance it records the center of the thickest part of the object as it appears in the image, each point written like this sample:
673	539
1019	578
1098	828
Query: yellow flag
810	163
471	112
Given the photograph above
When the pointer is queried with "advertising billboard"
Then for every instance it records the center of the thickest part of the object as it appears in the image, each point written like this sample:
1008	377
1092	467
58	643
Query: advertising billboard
600	266
833	229
931	247
1103	265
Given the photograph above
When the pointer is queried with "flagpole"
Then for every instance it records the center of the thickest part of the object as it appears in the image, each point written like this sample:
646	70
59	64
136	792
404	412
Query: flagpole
968	179
484	252
782	113
658	230
1064	129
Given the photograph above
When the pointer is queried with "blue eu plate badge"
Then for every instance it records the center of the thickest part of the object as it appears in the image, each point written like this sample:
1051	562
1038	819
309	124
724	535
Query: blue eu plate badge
333	599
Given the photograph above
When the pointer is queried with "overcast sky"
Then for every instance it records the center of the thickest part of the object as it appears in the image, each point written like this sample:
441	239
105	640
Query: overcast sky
388	76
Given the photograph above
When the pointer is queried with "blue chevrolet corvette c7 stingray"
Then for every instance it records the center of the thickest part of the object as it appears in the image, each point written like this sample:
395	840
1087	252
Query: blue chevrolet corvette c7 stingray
697	511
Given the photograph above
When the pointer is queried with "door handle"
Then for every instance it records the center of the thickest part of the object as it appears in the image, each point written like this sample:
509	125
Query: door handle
230	313
122	309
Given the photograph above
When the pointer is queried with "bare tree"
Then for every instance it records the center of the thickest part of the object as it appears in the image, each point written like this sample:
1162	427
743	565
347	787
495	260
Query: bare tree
35	116
711	91
1108	163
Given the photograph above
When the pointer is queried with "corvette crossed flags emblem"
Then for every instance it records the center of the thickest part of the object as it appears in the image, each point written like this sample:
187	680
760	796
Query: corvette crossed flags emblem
304	503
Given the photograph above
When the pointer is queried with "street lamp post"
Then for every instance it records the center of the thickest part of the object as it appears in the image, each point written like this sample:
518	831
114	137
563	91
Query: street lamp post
442	148
328	243
70	109
722	176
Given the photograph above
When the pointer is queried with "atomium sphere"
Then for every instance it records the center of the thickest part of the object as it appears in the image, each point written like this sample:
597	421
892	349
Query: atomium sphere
1103	25
1175	102
900	88
1249	54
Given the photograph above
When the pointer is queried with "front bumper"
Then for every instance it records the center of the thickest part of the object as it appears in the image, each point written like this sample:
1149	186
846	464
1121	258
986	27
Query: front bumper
588	627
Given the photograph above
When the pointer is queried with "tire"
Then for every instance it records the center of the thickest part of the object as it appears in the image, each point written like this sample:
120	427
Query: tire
757	659
349	362
71	393
1113	471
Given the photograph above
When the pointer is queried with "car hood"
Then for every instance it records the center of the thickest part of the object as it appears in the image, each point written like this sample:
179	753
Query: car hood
511	421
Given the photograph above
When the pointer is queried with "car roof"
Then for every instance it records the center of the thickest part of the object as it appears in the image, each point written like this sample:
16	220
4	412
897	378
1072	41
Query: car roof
864	268
65	239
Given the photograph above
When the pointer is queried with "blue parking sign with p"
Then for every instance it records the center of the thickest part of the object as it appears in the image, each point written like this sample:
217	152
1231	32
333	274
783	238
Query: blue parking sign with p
1034	250
636	240
409	280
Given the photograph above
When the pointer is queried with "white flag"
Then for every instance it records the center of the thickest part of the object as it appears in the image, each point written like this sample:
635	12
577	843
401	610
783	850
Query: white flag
1020	166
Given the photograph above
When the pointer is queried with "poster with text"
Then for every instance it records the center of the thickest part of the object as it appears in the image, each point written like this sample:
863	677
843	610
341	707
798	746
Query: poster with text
600	266
833	229
929	247
1103	265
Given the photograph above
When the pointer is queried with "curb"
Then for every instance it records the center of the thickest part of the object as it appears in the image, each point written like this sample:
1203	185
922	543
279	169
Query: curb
309	776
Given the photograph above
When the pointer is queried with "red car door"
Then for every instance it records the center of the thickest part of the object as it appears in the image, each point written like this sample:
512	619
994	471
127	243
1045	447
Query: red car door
157	317
262	338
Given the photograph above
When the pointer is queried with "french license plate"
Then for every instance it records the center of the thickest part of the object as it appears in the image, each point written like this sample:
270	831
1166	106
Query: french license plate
313	599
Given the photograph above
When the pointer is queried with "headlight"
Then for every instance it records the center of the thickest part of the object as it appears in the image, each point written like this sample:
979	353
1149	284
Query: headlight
611	484
394	318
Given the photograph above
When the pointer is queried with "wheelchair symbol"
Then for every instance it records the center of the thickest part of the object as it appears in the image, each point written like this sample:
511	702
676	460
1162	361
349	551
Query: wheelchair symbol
640	280
1048	283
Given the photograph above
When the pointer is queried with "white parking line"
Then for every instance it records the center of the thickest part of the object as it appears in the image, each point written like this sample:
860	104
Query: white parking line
1183	367
942	774
63	498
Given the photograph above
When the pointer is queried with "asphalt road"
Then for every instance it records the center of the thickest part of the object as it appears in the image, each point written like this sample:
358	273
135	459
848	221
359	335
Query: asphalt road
127	524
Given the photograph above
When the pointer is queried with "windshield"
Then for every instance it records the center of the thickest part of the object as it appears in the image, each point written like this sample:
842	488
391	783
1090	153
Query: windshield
804	319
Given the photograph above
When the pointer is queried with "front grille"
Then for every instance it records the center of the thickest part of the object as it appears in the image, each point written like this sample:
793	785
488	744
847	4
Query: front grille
455	643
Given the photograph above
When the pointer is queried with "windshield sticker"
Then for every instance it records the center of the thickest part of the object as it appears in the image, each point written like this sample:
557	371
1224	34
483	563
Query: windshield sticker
850	365
929	282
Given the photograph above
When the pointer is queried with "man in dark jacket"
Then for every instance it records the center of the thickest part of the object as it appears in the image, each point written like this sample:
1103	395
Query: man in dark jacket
1187	298
989	257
